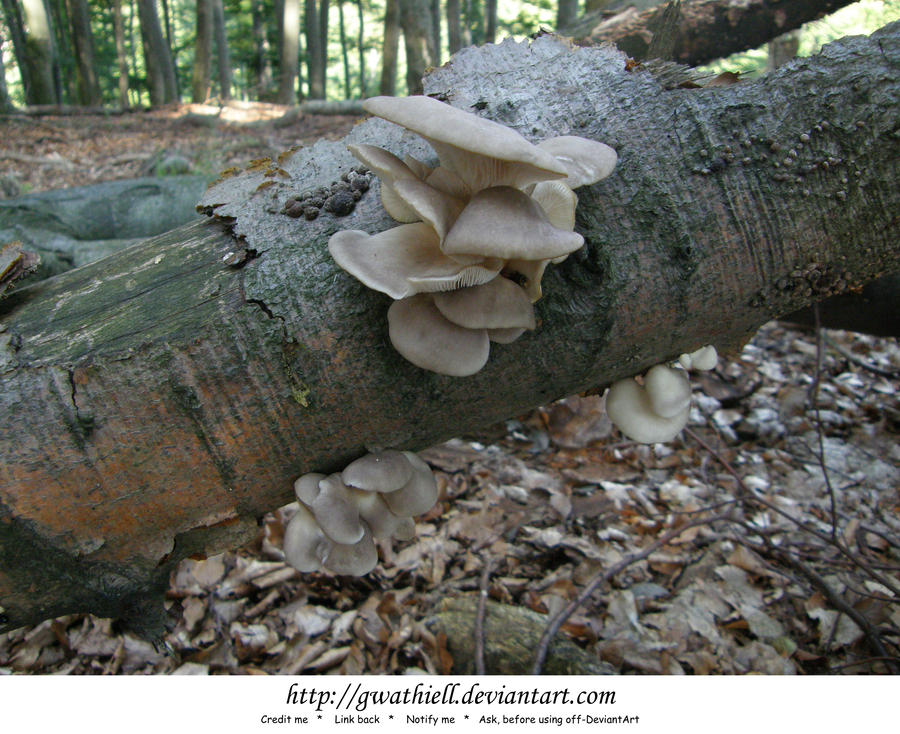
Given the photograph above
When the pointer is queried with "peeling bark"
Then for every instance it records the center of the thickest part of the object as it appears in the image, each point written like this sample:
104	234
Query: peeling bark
156	403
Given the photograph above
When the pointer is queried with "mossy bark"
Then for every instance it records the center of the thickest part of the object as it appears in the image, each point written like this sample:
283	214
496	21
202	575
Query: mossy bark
154	404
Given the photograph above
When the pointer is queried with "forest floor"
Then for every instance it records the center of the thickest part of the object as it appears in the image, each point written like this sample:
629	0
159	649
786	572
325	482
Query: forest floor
38	153
765	538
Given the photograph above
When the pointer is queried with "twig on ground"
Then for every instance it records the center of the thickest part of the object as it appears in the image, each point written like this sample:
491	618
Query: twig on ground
864	566
838	603
479	617
560	619
850	357
820	433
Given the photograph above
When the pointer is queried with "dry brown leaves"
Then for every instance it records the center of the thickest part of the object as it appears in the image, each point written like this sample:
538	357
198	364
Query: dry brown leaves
555	501
39	153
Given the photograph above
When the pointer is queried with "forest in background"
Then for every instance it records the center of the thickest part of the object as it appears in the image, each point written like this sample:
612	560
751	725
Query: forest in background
130	53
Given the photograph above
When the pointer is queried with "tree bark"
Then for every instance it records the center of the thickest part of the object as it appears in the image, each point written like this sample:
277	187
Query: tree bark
6	104
490	21
709	29
454	27
260	66
121	56
223	58
154	404
203	40
415	20
290	48
345	53
315	74
38	55
389	48
157	59
360	44
13	16
88	86
323	45
566	13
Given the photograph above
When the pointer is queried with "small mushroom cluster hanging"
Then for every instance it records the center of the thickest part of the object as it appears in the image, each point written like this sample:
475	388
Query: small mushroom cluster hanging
478	230
657	410
342	514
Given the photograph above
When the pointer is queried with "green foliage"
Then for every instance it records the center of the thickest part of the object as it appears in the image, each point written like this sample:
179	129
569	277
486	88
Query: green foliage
249	58
857	19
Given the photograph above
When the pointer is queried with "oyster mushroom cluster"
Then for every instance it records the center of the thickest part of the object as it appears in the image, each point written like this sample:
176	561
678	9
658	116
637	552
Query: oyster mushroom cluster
341	515
478	230
657	410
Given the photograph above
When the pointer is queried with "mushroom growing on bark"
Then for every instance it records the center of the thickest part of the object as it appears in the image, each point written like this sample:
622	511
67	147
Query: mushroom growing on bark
340	516
495	203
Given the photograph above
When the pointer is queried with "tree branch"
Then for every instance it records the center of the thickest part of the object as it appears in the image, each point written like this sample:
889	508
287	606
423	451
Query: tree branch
706	30
155	403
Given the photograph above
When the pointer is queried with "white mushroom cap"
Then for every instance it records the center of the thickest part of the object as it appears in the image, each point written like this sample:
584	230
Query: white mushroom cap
305	545
404	261
504	336
532	271
628	407
419	494
705	358
336	512
389	169
431	205
380	471
377	515
586	161
504	222
423	336
668	390
421	170
307	487
497	304
558	202
352	560
481	152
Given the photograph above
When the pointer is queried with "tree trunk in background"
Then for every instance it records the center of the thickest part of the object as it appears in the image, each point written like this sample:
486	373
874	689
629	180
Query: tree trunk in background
290	51
65	77
171	44
260	67
6	104
454	27
345	54
222	55
121	56
415	20
490	21
13	17
157	59
467	24
323	45
782	49
709	29
83	39
566	13
202	51
389	48
315	74
363	91
38	53
436	32
171	424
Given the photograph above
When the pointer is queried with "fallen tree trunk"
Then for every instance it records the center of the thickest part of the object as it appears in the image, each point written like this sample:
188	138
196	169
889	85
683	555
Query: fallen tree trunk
706	30
154	404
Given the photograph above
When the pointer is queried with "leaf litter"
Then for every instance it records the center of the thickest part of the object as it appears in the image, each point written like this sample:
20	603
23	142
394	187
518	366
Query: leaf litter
554	498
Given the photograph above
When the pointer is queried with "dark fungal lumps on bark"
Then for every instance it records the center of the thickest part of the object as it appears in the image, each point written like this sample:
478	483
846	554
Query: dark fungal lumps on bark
339	199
